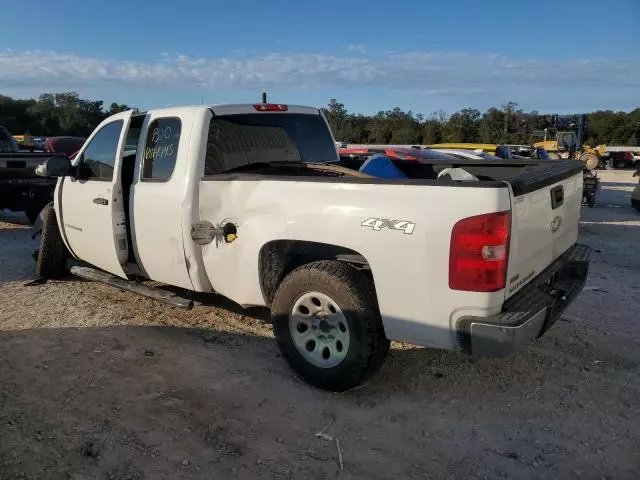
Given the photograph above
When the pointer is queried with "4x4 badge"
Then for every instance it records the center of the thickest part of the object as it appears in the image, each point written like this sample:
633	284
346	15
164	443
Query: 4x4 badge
378	224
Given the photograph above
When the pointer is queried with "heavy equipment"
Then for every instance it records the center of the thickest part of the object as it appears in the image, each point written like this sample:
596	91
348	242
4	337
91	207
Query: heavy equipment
568	143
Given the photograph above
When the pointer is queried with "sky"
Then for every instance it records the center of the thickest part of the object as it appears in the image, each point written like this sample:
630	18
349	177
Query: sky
423	55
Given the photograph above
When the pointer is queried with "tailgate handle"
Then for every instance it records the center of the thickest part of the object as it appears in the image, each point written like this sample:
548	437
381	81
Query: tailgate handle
557	196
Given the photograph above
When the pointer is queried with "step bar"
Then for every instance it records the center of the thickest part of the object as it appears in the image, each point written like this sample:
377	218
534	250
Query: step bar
155	293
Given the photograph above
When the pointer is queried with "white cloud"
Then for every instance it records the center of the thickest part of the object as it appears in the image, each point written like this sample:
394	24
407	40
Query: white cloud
357	48
426	72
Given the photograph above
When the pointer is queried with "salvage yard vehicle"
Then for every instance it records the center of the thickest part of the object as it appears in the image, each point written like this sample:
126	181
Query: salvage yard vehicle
501	151
252	202
26	142
20	189
66	145
619	160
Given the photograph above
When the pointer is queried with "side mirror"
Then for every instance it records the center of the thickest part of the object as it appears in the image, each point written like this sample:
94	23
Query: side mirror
58	166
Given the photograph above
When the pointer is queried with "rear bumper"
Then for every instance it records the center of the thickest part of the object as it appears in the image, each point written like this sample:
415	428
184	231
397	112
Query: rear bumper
531	312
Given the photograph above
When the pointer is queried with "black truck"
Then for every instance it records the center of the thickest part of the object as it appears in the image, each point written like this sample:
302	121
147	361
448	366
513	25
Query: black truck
20	189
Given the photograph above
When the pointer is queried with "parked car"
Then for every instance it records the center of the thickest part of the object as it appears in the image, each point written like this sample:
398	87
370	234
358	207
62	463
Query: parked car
8	144
468	154
39	143
25	142
399	153
619	160
20	189
252	202
66	145
501	151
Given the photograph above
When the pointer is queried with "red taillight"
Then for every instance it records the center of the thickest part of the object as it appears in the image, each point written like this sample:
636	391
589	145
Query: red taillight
479	253
270	107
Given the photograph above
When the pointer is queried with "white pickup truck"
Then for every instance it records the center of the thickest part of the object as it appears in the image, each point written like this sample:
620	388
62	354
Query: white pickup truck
253	202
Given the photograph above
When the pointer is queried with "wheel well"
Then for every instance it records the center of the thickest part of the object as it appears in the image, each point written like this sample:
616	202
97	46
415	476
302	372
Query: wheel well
279	257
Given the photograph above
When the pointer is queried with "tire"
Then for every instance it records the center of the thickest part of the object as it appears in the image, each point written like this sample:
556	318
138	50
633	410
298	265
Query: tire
354	301
636	204
590	160
591	201
53	254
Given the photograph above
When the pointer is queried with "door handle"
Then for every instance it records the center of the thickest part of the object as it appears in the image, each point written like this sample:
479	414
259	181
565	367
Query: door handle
101	201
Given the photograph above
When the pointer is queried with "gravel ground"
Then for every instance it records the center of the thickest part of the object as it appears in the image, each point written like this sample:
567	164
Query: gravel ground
99	383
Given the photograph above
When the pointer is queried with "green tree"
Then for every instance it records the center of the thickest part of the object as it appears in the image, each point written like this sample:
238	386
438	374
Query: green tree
337	117
491	128
463	126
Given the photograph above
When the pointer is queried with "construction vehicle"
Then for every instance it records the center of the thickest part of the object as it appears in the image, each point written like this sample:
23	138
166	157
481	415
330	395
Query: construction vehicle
568	143
25	142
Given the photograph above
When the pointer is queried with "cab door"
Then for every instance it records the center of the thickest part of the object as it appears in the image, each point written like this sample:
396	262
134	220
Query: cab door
90	206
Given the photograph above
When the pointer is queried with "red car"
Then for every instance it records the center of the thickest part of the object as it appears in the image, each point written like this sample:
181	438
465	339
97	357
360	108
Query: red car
397	153
620	160
66	145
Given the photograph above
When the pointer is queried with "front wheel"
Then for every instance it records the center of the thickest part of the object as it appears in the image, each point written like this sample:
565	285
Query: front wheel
327	325
53	254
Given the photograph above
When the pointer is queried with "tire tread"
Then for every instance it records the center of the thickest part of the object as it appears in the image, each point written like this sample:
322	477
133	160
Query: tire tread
53	253
360	288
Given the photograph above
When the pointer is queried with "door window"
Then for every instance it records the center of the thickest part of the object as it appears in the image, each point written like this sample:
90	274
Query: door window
161	149
99	158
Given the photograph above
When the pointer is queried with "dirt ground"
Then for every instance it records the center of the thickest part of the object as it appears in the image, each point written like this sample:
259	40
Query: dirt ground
96	383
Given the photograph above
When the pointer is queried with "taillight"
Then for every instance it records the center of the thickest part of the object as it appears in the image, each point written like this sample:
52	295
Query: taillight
479	253
270	107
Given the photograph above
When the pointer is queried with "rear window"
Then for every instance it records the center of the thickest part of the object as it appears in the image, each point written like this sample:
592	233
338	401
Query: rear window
237	140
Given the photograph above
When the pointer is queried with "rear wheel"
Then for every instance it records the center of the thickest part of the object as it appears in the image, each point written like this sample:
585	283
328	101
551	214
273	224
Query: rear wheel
53	254
327	325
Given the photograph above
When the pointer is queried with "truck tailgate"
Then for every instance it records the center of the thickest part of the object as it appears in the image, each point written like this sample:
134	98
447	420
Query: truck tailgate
546	206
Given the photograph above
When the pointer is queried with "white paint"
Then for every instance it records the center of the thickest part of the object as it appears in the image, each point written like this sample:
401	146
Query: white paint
94	232
157	208
533	245
409	264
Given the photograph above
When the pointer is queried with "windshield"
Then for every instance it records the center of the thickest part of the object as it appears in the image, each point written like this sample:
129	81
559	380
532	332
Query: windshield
237	140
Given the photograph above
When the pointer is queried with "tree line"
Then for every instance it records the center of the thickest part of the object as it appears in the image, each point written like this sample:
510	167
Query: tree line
68	114
55	114
506	124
